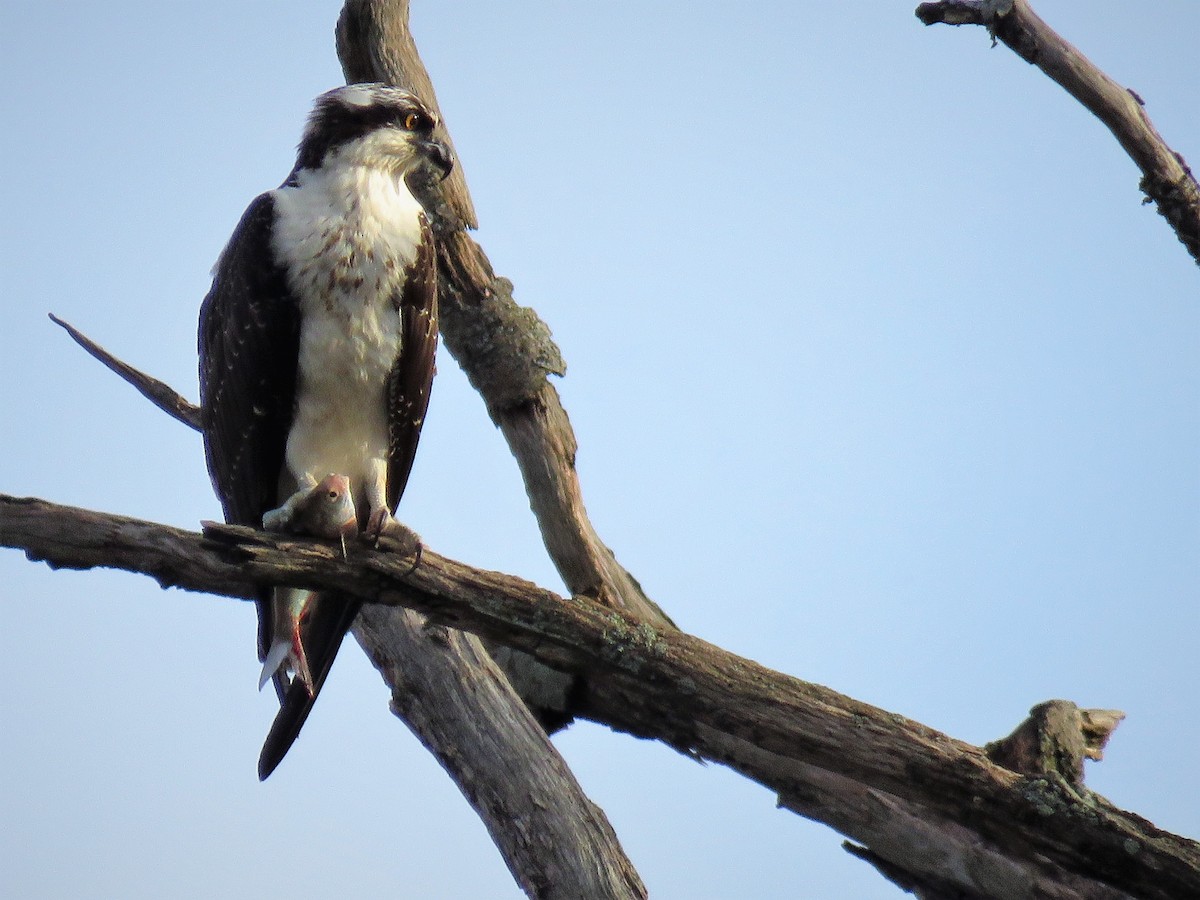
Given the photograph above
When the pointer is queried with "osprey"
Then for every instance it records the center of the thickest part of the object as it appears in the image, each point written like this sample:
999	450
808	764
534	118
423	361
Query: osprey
317	346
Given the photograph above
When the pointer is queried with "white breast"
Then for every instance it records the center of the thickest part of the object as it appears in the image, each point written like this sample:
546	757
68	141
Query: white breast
345	238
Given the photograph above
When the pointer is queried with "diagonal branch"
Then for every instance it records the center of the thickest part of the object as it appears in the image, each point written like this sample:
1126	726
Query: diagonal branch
701	700
456	700
1166	178
157	392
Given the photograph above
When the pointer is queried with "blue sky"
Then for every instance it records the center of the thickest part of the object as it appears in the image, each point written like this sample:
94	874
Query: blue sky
882	376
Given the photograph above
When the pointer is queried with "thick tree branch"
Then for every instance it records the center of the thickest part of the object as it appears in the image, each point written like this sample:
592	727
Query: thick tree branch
457	701
662	684
928	853
907	843
1166	178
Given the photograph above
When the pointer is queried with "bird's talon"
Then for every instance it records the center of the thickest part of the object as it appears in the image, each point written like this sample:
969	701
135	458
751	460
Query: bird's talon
416	558
379	522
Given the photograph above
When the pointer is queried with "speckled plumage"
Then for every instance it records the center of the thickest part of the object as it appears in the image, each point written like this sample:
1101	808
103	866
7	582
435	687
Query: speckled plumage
317	346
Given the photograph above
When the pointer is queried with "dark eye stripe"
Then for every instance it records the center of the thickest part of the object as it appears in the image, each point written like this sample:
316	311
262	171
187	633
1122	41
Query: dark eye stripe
335	123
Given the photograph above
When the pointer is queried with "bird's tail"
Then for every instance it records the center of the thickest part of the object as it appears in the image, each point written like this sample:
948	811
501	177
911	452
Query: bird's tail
329	619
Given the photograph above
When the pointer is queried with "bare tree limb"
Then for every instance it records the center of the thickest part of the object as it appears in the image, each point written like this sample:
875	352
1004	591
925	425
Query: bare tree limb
556	842
1166	178
705	702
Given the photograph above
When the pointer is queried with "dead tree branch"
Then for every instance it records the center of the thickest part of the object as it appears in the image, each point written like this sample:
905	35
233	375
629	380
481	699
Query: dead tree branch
157	392
448	690
1166	178
1037	830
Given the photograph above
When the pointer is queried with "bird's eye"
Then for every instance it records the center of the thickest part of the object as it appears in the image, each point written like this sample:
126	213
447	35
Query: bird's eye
412	121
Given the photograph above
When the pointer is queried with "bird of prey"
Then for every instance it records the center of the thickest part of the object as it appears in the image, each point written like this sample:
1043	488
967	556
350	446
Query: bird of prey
317	345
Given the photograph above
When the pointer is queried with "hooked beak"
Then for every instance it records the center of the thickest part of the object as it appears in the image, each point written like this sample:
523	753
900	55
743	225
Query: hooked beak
438	157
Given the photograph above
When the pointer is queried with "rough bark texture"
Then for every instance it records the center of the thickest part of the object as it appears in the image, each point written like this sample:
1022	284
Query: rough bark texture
1166	178
1056	738
961	819
556	842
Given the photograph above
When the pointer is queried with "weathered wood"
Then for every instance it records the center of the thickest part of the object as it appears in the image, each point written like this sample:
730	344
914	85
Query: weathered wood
1166	178
556	842
1055	740
662	684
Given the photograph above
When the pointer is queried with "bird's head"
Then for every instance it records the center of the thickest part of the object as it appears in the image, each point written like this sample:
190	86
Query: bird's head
373	125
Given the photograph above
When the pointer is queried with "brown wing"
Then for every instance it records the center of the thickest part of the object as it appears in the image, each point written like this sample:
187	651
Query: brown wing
249	344
412	373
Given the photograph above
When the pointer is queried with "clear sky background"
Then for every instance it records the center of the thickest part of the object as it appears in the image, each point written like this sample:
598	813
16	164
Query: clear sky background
882	376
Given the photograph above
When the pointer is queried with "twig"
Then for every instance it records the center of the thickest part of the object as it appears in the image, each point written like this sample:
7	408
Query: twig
1166	178
161	395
